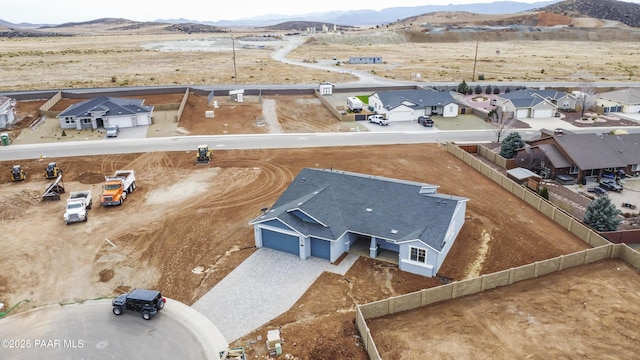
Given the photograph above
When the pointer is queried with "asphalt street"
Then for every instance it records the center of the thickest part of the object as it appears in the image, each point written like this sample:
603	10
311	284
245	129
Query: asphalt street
91	331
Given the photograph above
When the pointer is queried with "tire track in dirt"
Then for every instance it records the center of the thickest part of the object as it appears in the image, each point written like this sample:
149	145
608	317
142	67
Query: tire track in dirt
272	180
111	163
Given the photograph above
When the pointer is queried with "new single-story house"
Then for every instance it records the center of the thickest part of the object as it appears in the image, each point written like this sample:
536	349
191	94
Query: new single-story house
531	103
365	60
581	157
7	111
624	101
324	212
408	105
104	111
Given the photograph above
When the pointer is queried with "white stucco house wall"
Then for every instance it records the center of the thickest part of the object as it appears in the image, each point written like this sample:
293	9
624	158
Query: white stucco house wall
323	213
624	101
408	105
104	111
7	111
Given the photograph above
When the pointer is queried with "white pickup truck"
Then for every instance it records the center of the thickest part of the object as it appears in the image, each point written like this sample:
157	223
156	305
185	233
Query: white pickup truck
77	205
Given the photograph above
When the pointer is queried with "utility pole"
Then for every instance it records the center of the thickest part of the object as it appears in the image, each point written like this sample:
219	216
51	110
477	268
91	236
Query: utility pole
475	60
235	74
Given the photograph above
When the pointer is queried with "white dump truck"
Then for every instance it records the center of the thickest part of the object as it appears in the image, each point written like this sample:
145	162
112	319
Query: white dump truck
78	203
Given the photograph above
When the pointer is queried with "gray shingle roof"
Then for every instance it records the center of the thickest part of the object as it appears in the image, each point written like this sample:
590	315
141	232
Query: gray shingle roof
528	98
112	107
419	98
626	146
589	151
630	96
382	207
555	156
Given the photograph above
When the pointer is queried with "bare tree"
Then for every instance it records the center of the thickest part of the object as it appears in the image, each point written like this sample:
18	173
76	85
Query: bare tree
501	121
585	97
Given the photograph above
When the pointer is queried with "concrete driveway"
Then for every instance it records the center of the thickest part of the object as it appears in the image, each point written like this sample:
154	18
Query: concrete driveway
267	284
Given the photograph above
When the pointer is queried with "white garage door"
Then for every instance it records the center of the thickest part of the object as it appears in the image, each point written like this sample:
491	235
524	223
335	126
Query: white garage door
400	116
522	113
543	113
122	122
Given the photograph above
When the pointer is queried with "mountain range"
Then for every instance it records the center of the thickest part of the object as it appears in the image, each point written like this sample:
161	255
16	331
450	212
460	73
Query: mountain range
363	17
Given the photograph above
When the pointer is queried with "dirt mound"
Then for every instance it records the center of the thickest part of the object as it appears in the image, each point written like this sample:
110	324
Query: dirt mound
13	206
90	178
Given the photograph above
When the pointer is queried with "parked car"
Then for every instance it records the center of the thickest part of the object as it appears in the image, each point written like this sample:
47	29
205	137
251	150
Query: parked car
597	190
611	185
426	121
146	302
113	131
378	119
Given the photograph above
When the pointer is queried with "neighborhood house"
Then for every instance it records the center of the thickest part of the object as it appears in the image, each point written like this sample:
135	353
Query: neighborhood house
534	104
103	111
323	213
409	105
579	158
624	101
7	111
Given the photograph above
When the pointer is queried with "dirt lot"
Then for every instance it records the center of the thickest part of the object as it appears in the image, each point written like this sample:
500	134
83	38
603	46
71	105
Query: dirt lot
131	60
588	312
182	217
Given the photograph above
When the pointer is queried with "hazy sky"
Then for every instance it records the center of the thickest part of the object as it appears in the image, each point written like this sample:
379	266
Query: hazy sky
57	12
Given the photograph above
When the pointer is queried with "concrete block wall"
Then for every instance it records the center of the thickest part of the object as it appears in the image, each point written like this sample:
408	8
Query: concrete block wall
183	103
602	249
52	101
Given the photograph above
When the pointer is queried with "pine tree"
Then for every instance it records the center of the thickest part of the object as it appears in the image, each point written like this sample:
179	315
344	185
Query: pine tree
510	144
602	215
544	192
463	88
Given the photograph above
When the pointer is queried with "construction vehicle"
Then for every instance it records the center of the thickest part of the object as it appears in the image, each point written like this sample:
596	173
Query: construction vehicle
77	205
117	187
53	190
52	171
17	174
203	156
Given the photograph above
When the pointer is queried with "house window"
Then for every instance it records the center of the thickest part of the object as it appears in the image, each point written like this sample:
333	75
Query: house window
418	255
86	121
635	167
69	121
565	105
573	170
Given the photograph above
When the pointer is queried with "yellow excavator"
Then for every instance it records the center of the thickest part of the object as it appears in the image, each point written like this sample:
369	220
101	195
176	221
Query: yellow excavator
203	157
17	174
52	171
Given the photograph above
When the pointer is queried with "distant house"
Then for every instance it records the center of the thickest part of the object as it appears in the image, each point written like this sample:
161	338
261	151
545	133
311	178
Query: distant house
408	105
581	157
325	212
104	111
365	60
531	103
7	111
624	101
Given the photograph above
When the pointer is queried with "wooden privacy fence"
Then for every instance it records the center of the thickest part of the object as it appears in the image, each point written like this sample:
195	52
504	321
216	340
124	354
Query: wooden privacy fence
601	249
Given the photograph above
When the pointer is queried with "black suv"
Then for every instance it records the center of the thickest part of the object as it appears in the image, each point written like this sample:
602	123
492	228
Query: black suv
147	302
425	121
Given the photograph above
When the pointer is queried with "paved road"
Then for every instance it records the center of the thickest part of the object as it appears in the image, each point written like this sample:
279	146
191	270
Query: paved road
91	331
